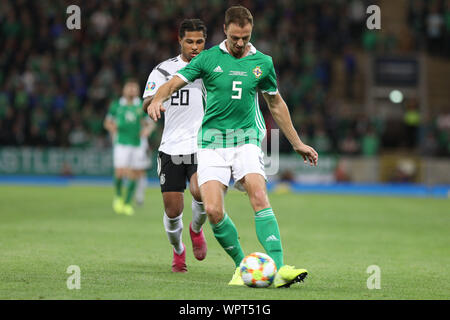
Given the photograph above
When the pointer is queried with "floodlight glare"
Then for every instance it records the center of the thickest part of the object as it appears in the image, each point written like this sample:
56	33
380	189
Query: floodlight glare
396	96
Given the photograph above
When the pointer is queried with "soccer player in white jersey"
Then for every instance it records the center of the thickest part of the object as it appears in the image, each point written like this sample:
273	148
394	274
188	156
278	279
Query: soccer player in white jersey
231	135
177	160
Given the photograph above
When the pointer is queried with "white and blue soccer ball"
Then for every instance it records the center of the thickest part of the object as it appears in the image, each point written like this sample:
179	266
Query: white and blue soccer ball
258	270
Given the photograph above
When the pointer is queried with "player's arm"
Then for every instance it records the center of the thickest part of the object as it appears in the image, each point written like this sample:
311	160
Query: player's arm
164	93
147	127
110	125
281	115
146	103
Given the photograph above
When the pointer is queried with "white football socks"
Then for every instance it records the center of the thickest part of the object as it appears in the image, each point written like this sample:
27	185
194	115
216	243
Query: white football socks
198	215
140	190
174	229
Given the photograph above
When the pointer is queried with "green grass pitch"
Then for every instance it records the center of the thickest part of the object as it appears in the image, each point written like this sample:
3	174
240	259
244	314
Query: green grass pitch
44	229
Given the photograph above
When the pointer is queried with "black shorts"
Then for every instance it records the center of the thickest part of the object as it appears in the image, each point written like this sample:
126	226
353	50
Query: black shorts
174	171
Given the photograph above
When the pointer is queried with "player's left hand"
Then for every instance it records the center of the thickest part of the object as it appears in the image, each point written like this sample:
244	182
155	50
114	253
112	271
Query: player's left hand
308	154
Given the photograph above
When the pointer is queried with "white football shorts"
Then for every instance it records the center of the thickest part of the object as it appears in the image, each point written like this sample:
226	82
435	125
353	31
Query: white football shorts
130	157
222	163
143	160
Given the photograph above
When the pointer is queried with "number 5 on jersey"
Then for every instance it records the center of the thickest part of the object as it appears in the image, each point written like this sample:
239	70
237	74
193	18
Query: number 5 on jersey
237	89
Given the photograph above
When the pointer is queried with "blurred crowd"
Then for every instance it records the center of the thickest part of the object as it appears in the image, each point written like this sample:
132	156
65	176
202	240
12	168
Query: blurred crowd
56	84
430	21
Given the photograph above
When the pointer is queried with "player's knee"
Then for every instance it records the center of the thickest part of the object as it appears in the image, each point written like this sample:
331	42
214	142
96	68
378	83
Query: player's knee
173	209
194	188
173	203
132	174
214	213
259	199
120	173
196	195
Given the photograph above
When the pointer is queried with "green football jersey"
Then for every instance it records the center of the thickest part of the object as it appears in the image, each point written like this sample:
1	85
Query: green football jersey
232	115
128	119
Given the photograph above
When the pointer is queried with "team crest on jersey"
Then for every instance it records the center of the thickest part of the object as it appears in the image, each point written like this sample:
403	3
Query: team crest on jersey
162	179
130	117
151	86
257	72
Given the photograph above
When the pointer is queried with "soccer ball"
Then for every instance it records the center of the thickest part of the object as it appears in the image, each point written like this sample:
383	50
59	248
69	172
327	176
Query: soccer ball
258	270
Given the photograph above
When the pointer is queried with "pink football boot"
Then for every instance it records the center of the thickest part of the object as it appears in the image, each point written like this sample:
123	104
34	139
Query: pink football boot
198	243
179	261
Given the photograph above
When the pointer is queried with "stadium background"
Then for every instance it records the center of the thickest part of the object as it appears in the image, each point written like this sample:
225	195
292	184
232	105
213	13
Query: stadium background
56	84
339	80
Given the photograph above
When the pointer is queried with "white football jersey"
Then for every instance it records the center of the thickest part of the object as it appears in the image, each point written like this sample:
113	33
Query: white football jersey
184	110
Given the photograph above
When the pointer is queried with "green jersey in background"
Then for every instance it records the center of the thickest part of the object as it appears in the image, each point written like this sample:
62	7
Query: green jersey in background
128	119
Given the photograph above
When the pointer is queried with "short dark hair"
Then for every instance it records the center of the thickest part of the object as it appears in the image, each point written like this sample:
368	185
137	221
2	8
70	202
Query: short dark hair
131	80
239	15
191	25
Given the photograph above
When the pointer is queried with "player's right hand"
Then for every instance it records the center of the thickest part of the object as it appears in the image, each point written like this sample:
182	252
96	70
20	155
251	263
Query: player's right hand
154	110
112	128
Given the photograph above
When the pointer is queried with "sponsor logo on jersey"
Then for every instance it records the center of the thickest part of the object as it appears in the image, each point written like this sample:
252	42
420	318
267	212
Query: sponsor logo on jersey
238	73
150	86
218	69
257	72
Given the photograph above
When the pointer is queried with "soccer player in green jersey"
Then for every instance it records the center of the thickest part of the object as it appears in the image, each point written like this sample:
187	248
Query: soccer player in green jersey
127	123
231	134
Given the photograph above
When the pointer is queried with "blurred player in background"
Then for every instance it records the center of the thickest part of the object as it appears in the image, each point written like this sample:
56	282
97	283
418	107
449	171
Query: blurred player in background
177	161
231	135
145	163
128	126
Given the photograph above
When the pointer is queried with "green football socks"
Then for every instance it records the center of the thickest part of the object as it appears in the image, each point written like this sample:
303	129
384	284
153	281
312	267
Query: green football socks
268	233
226	234
130	191
118	186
